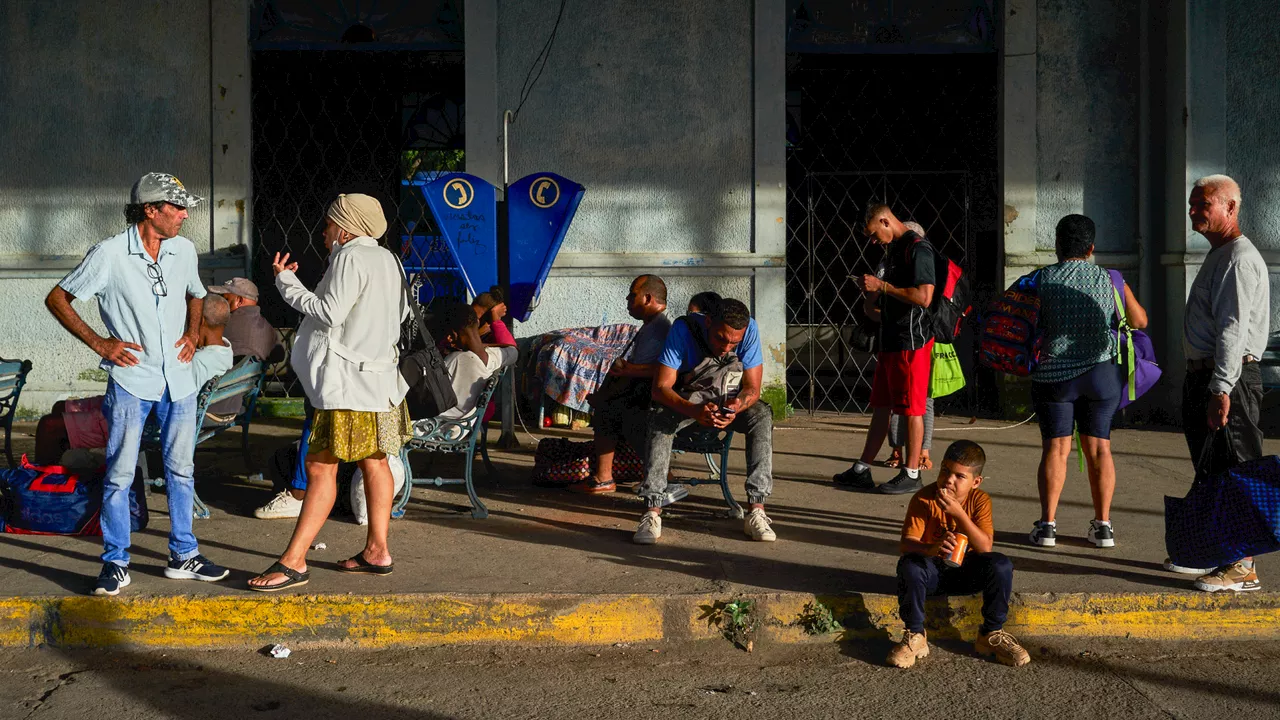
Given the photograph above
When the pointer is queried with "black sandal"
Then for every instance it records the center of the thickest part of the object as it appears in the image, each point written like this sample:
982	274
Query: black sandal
294	578
364	567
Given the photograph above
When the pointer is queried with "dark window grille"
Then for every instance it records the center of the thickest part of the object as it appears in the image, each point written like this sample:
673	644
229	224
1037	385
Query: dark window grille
350	120
916	132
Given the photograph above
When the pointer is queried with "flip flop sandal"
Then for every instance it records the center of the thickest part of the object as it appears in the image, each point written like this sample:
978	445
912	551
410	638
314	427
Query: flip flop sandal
893	461
364	567
294	578
593	486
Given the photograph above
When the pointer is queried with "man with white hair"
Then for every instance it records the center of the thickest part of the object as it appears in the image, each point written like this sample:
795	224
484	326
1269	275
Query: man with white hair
1224	334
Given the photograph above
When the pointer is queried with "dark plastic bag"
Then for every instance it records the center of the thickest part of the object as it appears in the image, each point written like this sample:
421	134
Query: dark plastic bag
1225	516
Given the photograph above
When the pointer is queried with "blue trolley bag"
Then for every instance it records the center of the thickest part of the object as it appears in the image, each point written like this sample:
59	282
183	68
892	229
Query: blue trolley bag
47	500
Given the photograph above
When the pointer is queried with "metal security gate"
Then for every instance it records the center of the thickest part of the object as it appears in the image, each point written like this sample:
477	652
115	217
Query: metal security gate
827	250
914	132
349	120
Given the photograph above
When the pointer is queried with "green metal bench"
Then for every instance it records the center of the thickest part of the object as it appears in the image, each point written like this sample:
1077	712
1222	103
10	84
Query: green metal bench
13	375
244	381
714	446
451	436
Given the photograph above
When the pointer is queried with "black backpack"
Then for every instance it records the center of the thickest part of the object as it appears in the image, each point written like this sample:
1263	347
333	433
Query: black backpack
430	389
952	296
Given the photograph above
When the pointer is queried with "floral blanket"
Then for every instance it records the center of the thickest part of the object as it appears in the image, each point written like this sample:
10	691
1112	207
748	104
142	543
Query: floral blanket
568	365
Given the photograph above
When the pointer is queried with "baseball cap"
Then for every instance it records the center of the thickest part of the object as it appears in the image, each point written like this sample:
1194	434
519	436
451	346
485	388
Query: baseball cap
243	287
162	187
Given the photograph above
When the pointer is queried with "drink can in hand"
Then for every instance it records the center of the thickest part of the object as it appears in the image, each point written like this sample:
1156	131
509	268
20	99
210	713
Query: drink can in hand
956	557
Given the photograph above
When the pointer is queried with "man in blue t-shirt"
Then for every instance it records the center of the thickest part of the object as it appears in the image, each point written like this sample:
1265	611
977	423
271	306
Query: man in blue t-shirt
710	373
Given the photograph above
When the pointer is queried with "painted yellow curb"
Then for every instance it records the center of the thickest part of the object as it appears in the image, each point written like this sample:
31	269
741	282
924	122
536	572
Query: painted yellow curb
442	619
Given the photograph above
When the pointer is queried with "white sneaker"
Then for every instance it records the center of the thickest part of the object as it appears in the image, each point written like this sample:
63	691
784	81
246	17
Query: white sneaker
650	529
1101	534
282	506
756	526
1044	534
1183	570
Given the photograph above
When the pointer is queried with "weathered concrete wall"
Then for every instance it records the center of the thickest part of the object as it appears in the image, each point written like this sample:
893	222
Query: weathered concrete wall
1087	119
92	95
1253	136
650	106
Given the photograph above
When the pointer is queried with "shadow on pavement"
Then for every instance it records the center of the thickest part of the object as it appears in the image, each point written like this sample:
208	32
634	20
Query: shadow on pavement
1128	673
193	692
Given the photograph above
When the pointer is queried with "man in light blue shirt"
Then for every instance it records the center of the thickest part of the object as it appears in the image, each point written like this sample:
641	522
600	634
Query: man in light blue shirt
150	298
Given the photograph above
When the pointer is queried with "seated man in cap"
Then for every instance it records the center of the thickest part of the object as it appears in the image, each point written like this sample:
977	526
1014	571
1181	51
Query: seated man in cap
248	331
249	334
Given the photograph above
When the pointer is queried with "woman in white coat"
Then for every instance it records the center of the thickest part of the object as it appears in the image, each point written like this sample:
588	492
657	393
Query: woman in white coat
345	355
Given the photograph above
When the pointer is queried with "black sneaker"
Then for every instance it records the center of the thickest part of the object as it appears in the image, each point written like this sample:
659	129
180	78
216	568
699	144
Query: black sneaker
111	579
196	568
851	479
901	484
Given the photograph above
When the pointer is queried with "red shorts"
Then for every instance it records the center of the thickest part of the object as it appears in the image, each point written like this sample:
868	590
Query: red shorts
902	381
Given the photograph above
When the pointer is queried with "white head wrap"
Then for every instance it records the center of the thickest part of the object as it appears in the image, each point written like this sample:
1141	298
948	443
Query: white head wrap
358	214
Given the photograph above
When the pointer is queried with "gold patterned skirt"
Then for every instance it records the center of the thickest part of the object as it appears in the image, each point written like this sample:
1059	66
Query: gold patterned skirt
355	434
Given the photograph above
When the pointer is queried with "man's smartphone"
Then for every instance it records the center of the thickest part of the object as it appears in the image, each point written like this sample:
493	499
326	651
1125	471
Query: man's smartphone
725	412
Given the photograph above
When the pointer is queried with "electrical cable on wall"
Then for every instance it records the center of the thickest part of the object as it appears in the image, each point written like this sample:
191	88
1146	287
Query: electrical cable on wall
530	78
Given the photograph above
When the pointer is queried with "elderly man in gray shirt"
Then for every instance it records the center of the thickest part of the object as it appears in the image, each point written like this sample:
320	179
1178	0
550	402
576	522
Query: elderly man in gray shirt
1224	335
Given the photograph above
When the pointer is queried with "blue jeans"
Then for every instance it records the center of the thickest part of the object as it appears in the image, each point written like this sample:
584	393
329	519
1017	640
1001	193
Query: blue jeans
126	415
299	481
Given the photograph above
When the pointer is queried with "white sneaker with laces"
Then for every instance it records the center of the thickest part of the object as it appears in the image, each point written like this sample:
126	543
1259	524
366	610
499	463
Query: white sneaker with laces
650	529
1102	534
1184	570
282	506
756	526
1044	534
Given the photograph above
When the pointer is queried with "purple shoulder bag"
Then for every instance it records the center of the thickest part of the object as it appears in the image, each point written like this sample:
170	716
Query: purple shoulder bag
1136	354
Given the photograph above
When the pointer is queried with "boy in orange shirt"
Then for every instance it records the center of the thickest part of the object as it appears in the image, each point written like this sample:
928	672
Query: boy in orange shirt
936	513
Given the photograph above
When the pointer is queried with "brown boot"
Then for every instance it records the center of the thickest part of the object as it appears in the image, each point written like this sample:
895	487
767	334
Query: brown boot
1004	647
913	647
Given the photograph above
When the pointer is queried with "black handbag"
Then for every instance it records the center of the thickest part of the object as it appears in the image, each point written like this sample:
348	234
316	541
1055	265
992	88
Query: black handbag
430	389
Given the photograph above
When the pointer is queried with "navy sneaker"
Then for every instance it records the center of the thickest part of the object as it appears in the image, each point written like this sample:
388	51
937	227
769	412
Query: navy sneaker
851	479
111	579
196	568
901	484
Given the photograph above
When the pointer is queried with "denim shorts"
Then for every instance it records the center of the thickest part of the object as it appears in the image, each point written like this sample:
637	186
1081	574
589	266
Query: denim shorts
1089	401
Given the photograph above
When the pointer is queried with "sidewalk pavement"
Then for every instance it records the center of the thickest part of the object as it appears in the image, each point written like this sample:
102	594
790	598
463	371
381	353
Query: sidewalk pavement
550	566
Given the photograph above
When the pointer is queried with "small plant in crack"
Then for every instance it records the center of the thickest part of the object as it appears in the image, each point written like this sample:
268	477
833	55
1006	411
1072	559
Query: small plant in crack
817	619
737	621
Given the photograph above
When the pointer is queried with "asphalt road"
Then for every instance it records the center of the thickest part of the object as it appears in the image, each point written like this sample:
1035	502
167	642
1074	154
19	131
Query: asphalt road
1067	679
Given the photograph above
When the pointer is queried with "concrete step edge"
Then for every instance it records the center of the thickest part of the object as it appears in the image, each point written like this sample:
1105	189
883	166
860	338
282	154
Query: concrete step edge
221	621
